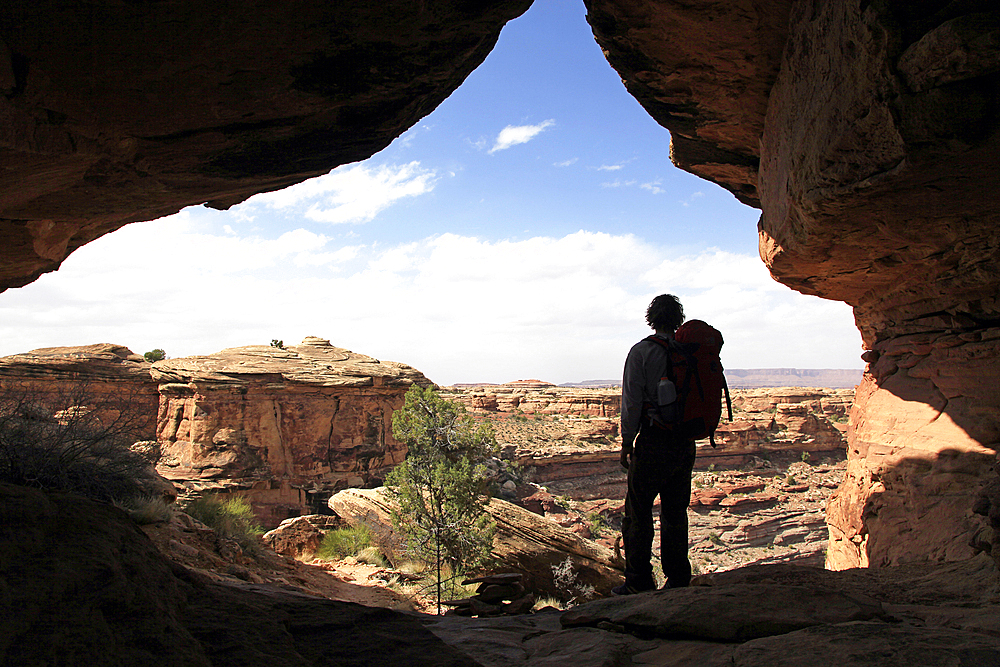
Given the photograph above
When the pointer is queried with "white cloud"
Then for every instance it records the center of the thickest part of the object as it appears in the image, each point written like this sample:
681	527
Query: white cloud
351	194
567	163
513	135
458	308
653	187
610	167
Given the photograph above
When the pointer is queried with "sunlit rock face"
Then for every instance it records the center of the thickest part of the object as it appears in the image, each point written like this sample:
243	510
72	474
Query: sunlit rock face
97	375
867	132
284	427
116	112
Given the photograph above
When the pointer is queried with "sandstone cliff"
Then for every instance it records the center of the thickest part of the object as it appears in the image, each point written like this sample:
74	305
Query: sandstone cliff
286	427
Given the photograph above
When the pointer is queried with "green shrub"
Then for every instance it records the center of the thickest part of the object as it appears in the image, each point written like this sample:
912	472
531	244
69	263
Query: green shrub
230	518
145	510
372	556
598	523
343	542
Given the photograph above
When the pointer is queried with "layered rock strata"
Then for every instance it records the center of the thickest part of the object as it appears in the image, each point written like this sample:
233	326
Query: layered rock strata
867	132
60	375
284	427
566	439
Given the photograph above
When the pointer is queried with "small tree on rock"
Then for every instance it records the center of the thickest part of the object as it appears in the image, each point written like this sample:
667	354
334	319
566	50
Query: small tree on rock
155	355
441	488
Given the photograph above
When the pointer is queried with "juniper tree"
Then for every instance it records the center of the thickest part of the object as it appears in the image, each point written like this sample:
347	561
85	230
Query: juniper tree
441	489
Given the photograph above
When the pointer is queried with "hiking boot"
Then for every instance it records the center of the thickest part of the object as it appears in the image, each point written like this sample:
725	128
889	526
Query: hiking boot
629	589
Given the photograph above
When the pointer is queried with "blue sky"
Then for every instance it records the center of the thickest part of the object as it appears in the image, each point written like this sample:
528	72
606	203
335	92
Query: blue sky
516	232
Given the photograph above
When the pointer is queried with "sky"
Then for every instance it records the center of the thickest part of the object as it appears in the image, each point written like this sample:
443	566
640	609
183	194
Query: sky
519	231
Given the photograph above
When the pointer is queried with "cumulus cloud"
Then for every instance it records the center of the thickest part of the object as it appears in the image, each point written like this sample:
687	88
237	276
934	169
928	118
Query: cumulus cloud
512	135
352	194
459	308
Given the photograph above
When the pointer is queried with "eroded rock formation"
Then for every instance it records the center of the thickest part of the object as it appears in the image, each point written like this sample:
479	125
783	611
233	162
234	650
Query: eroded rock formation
286	427
867	132
58	374
117	112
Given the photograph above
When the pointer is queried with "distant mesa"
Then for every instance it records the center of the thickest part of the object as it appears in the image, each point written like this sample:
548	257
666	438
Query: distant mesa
751	378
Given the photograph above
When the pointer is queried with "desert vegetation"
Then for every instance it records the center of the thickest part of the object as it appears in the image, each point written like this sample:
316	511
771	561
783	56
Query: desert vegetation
82	439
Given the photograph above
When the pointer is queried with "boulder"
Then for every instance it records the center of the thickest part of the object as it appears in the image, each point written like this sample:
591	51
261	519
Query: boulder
300	536
524	542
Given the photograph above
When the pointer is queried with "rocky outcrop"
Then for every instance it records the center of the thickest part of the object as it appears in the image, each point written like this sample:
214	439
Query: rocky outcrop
524	542
106	595
770	615
553	436
62	375
534	397
115	113
285	427
867	133
919	452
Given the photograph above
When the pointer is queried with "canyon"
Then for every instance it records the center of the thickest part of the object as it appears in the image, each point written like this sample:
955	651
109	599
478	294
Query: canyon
759	496
865	132
284	427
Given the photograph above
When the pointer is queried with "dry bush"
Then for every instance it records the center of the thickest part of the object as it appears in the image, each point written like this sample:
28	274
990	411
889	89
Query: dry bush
79	439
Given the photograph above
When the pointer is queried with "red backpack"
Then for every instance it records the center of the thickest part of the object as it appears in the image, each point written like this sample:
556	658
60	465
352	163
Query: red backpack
694	367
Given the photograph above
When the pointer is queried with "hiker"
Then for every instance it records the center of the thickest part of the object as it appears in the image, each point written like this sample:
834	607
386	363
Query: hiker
659	461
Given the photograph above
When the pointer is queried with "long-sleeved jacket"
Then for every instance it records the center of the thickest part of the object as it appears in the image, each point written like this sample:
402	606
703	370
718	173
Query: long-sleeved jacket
644	366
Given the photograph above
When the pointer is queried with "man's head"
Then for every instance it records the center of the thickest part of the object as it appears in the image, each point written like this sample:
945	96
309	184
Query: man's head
665	313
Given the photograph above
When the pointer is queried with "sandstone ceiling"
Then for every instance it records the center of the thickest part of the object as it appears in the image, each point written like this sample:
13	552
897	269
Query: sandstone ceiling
114	111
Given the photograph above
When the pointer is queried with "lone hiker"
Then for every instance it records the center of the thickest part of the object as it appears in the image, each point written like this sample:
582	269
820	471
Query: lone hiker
659	462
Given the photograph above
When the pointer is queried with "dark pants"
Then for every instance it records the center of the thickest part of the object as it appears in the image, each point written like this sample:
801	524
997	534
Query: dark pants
660	465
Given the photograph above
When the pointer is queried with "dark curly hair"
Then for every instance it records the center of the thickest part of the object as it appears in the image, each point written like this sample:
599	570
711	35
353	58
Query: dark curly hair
665	312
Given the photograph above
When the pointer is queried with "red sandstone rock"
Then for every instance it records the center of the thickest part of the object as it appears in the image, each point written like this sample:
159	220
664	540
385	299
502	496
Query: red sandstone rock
115	112
285	427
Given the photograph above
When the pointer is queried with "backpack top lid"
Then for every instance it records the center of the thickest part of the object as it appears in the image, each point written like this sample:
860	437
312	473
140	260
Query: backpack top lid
705	335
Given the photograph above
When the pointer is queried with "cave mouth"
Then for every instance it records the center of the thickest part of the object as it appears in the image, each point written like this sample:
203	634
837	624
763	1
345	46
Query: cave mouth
518	230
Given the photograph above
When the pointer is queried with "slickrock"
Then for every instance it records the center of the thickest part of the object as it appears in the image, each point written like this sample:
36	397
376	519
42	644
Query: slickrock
774	614
285	427
525	542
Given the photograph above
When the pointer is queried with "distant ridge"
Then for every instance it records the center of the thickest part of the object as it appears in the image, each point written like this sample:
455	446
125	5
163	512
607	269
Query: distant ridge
749	378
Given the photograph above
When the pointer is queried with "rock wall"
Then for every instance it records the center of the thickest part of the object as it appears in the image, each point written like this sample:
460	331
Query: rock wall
284	427
95	375
868	135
